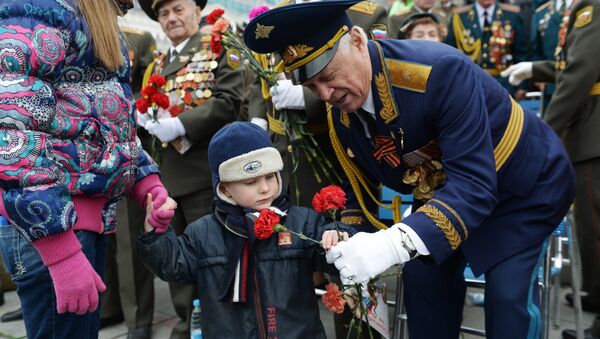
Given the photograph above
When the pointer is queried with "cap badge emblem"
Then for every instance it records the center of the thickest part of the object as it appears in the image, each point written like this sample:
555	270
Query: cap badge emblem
263	32
252	167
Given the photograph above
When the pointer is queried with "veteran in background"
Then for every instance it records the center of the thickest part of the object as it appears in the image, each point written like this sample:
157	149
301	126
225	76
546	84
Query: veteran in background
423	26
207	89
420	117
492	34
397	21
574	113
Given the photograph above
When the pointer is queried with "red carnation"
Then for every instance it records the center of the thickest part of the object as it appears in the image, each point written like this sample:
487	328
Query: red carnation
214	16
265	224
175	111
333	299
149	91
329	199
215	45
161	100
142	105
157	80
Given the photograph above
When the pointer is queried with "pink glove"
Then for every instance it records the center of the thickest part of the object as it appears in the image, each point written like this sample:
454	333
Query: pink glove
160	219
76	285
159	196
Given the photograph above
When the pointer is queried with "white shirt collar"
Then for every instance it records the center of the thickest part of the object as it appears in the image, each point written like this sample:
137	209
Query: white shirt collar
558	3
369	104
490	11
179	47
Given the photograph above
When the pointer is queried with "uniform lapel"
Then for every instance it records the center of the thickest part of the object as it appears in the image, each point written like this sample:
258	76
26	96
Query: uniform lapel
183	58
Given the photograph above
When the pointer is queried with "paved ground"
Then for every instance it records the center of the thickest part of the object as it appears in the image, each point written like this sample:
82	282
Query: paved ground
164	318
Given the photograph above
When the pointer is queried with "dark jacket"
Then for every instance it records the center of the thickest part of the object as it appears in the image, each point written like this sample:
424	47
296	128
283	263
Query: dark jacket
285	304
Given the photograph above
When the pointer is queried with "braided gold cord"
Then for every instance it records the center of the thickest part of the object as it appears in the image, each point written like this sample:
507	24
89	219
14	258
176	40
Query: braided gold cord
357	180
443	223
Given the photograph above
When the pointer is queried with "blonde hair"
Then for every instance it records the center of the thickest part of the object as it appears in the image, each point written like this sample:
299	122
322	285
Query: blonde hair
101	17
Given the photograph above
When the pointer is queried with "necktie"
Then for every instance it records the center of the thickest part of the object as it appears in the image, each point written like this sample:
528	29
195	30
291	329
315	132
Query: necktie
369	120
173	55
486	22
562	6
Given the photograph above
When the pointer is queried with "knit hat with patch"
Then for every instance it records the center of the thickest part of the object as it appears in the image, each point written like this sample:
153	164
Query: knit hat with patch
240	151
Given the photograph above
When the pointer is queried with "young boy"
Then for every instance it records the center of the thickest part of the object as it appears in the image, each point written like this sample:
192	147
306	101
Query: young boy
249	288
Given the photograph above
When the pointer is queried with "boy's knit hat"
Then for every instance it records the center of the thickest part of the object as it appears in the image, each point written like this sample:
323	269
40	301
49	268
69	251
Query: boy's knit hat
240	151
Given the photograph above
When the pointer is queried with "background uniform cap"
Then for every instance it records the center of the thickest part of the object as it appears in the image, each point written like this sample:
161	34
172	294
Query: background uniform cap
151	6
305	35
412	18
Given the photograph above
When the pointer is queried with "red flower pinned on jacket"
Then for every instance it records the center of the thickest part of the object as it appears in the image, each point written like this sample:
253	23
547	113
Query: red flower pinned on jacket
269	222
329	199
333	299
264	226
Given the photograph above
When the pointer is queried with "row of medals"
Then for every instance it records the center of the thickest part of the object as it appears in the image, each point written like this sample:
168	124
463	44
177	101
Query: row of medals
197	78
500	43
426	178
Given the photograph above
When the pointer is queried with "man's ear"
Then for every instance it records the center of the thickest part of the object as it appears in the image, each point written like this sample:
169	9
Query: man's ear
358	37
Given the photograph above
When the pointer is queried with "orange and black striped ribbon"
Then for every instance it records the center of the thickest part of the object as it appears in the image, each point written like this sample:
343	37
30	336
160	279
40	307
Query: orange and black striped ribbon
386	148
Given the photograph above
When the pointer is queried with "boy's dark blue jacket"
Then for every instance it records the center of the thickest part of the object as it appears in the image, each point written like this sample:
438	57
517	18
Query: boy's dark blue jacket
284	305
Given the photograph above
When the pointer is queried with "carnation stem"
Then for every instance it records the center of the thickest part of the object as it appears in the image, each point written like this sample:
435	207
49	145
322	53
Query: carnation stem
281	228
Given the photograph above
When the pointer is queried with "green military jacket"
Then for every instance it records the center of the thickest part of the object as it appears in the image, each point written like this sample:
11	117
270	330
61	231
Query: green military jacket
574	111
220	83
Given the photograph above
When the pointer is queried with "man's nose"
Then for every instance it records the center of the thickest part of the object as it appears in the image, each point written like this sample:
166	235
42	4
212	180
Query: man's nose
324	92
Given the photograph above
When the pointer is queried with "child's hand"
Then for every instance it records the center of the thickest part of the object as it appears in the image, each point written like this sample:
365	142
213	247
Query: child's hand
332	237
158	219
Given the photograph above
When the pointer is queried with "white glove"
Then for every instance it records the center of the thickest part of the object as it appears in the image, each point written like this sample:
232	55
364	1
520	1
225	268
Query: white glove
287	95
143	118
519	72
366	255
264	124
166	129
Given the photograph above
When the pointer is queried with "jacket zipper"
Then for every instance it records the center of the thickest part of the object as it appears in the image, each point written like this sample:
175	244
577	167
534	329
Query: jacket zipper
257	305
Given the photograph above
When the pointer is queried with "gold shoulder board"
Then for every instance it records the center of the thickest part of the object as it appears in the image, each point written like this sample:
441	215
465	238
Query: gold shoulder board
365	7
462	9
545	5
408	75
510	8
282	3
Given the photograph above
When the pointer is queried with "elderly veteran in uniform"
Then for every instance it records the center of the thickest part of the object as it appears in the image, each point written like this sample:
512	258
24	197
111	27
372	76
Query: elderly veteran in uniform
299	102
211	86
574	113
492	180
493	35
